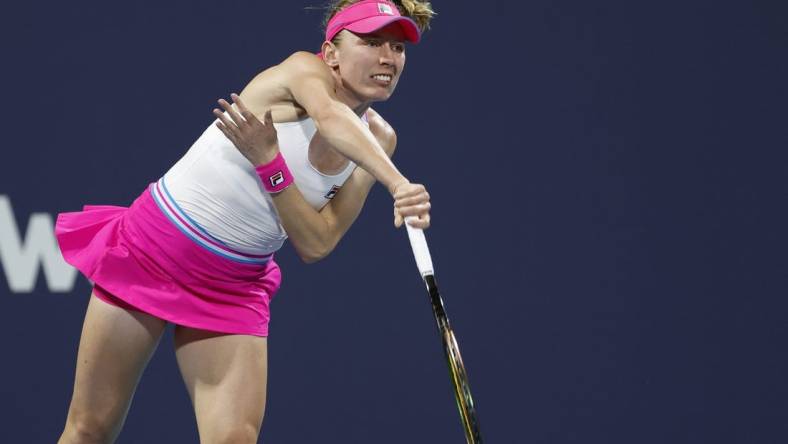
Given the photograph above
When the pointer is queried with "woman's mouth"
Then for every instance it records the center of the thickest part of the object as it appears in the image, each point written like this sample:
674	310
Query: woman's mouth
384	79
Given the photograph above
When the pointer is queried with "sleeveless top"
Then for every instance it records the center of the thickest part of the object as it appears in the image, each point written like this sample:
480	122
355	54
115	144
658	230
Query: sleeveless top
216	197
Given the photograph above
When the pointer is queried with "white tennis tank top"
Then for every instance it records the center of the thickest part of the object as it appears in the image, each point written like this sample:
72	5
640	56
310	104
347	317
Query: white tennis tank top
217	189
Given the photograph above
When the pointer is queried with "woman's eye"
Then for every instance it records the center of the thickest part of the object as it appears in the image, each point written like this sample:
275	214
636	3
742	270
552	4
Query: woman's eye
373	43
398	48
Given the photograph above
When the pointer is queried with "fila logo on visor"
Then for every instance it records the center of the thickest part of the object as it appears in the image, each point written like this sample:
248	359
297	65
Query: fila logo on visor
385	9
277	178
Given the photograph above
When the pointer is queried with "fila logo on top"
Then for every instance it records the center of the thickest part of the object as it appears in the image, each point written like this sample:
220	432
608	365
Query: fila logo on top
385	9
277	178
332	192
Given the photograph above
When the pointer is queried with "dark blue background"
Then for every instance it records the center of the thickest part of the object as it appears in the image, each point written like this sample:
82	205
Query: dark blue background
609	190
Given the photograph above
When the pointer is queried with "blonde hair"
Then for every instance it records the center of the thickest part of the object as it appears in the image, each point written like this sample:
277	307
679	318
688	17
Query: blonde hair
419	11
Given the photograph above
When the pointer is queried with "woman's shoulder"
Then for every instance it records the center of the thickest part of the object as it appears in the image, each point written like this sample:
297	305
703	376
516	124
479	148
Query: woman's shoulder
303	60
382	130
377	122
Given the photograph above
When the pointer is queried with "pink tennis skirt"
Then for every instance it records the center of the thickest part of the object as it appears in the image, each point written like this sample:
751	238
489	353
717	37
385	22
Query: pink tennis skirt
143	258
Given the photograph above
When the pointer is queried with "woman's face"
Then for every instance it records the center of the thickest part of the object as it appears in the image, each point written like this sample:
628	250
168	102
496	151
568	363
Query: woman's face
370	64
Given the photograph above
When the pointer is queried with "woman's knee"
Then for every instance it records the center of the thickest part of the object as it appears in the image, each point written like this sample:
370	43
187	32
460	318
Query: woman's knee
232	432
89	428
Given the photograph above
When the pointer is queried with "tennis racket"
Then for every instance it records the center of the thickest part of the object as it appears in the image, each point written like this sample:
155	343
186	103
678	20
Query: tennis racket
459	378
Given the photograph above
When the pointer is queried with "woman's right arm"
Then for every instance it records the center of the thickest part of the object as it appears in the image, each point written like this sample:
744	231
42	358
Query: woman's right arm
314	234
312	87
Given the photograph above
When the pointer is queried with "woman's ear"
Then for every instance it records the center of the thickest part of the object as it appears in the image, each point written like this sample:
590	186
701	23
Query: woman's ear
330	54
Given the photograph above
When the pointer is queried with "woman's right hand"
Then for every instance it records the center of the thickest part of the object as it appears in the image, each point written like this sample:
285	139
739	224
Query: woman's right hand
411	199
256	140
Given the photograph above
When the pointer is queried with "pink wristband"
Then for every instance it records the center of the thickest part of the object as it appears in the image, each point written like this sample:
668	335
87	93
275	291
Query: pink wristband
275	175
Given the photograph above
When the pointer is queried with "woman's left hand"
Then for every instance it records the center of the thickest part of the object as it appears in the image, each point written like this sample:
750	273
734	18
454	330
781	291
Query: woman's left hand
256	140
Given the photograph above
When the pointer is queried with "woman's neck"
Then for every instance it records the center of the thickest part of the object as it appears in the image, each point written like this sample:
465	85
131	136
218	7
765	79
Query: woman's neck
350	99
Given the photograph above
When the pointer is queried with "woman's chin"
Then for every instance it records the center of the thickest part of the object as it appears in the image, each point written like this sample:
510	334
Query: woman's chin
380	95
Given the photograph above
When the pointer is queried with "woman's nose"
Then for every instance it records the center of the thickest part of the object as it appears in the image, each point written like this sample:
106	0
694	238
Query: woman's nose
386	54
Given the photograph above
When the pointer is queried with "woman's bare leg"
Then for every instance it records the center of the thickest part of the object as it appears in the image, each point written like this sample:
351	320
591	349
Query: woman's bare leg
226	379
115	347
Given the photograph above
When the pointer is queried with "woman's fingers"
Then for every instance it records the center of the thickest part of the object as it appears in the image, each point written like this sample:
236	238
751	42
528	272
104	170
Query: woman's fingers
422	222
242	116
420	212
226	132
238	102
228	125
415	210
250	118
413	200
239	121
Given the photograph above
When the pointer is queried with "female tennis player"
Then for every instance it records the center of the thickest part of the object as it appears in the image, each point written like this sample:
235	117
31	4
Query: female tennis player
294	157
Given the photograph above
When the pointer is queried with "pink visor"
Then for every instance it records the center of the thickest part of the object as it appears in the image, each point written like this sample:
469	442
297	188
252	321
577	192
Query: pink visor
368	16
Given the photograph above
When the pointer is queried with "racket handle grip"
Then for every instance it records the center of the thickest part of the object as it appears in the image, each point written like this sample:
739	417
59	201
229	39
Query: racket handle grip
420	250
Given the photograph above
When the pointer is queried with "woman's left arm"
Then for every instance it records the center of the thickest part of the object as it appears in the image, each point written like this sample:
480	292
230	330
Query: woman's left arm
332	221
315	234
